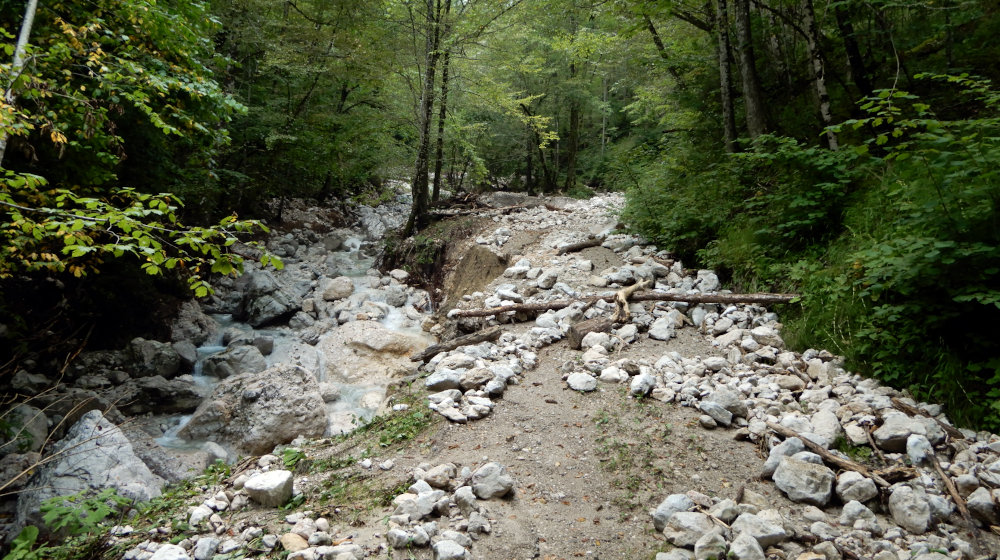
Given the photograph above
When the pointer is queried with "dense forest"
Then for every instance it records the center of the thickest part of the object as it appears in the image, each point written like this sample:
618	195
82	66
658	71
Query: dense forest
846	150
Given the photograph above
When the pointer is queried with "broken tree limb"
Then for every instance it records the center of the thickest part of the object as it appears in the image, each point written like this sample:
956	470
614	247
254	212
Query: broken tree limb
490	334
622	314
574	247
830	457
654	296
576	333
952	431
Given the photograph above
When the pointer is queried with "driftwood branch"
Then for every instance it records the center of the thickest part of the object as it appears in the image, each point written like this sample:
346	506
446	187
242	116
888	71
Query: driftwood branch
591	241
474	338
622	314
830	457
952	431
654	296
578	331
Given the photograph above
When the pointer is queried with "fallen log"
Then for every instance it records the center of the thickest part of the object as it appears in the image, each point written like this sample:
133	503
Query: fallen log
654	296
846	464
574	247
576	333
490	334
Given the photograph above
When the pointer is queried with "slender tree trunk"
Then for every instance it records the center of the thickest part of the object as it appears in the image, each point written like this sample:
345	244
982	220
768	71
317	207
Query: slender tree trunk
819	74
662	50
572	142
859	74
529	180
753	98
18	64
725	77
776	49
443	111
418	211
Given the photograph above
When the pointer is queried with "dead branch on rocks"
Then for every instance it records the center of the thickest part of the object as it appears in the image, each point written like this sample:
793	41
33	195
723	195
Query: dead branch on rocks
578	331
622	314
591	241
654	296
952	431
490	334
846	464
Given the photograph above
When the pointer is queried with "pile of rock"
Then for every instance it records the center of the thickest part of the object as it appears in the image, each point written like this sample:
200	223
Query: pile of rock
449	496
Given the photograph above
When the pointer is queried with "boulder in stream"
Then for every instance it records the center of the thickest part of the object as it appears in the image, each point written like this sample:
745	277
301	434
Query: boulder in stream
368	352
253	412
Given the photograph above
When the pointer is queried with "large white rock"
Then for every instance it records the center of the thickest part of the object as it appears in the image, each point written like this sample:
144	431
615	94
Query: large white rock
669	506
272	488
762	530
684	528
253	412
367	352
852	485
910	509
170	552
449	550
804	482
337	288
579	381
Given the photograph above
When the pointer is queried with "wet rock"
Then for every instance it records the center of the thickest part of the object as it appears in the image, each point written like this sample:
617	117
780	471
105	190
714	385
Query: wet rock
192	324
272	488
235	360
368	351
254	412
99	457
151	357
802	481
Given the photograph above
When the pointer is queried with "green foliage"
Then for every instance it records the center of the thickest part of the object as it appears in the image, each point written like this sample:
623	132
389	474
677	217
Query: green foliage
82	513
291	456
23	546
56	231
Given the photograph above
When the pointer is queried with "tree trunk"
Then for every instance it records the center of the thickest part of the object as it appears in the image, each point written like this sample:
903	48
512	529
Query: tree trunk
18	64
443	111
572	143
418	211
529	179
753	98
662	49
854	59
725	77
819	75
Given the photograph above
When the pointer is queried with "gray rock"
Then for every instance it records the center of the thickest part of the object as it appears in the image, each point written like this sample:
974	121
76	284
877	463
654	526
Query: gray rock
642	384
234	361
762	530
711	546
675	554
465	499
707	281
730	399
475	378
684	528
337	288
767	336
806	482
721	416
94	455
852	485
826	425
254	412
492	481
669	506
910	509
151	357
187	352
579	381
30	427
745	547
272	488
205	547
449	550
662	329
981	505
170	552
787	448
919	449
192	324
443	380
896	428
157	395
727	510
398	538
